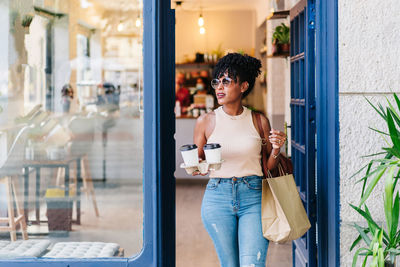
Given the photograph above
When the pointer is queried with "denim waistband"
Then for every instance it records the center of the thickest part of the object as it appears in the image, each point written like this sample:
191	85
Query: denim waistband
236	179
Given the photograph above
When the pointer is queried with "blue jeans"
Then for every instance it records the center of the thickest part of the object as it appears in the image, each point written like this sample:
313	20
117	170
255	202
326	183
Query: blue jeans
231	214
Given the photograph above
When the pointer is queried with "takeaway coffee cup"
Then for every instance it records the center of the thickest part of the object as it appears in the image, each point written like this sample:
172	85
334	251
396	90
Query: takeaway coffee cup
213	153
190	154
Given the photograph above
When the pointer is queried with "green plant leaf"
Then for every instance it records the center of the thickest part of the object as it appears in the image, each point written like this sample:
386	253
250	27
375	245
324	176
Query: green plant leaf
384	164
395	218
378	131
365	259
394	112
397	239
381	258
392	130
356	241
355	257
396	118
374	228
397	101
371	186
396	178
392	151
365	179
381	113
388	198
382	110
360	170
394	251
392	257
363	235
373	155
371	223
359	238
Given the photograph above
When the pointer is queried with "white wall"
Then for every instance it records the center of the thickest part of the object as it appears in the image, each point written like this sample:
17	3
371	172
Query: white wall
61	59
278	83
369	66
232	29
4	21
262	10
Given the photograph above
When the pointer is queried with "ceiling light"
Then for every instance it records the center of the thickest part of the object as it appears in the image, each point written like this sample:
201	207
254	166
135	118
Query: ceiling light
138	22
201	20
85	4
120	26
202	30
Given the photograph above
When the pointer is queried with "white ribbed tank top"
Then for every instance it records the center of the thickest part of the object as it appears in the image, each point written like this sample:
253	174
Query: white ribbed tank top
240	144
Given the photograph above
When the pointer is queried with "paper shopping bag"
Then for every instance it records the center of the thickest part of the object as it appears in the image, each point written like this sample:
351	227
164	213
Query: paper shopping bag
283	215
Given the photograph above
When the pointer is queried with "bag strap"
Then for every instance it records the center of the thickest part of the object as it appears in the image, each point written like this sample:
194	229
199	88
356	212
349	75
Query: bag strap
264	151
260	128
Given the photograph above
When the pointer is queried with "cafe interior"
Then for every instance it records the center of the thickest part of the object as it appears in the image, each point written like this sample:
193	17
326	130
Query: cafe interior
71	116
205	31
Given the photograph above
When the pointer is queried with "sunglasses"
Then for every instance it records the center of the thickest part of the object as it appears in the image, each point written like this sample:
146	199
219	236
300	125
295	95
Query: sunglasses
226	81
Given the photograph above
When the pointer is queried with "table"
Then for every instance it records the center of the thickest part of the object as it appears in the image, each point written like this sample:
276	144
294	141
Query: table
45	163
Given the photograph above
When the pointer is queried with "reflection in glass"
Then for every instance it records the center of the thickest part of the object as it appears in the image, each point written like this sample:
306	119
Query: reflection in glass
71	126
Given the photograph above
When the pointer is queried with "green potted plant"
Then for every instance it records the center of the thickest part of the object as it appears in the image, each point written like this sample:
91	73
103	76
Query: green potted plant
383	246
281	39
386	166
27	20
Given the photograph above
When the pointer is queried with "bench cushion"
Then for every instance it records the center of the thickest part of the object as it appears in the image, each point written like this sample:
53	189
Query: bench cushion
82	250
23	248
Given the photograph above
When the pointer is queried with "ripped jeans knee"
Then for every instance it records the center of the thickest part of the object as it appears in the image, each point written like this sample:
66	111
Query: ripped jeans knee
253	260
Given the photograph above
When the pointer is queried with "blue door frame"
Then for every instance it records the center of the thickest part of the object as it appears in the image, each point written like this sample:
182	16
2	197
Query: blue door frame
327	121
159	164
326	126
302	71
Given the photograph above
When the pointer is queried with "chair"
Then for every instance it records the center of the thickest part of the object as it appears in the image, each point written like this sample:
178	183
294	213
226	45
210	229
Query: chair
9	172
87	182
83	131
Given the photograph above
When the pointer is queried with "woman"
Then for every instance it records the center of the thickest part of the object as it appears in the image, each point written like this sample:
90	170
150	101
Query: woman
67	95
231	207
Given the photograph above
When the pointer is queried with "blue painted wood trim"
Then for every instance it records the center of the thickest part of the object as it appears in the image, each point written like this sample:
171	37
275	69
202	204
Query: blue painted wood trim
309	24
155	237
328	197
165	98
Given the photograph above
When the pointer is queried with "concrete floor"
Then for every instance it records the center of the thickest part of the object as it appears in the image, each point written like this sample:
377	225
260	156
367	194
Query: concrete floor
194	247
121	203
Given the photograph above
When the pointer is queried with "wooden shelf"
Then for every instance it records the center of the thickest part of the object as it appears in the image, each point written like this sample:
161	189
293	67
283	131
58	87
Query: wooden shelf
279	15
194	65
279	55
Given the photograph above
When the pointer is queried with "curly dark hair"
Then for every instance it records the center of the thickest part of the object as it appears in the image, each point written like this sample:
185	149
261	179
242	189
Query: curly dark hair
241	68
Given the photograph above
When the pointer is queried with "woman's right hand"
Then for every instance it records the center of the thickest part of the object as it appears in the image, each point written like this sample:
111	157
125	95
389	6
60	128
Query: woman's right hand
199	173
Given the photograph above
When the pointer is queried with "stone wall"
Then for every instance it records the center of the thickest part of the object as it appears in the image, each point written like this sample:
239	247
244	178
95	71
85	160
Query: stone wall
369	66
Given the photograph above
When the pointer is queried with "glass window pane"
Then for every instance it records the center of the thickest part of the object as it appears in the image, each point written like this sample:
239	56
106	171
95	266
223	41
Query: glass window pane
71	123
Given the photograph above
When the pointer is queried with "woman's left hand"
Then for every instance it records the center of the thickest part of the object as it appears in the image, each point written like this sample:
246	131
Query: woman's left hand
277	139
